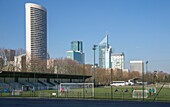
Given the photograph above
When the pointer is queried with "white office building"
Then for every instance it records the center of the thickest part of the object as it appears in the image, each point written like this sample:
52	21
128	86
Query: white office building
36	34
118	61
137	66
20	62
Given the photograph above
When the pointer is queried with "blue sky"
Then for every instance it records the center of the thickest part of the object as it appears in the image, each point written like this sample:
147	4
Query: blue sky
139	28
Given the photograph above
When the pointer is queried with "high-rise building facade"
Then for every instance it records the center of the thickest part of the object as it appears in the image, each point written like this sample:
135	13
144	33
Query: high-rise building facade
137	66
76	52
20	62
7	55
105	52
77	46
75	55
36	34
118	61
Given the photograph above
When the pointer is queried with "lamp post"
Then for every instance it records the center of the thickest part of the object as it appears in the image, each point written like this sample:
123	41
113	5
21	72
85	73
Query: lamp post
56	70
143	83
94	68
146	66
147	75
143	78
83	80
122	61
111	82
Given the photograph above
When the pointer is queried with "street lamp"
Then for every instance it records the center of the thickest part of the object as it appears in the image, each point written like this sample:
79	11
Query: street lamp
94	66
143	78
56	71
111	82
122	61
83	80
146	66
143	83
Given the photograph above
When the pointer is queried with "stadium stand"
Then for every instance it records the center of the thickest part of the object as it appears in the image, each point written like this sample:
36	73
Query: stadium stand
34	80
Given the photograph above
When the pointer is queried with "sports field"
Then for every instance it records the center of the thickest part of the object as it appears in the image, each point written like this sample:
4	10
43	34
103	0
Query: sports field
111	93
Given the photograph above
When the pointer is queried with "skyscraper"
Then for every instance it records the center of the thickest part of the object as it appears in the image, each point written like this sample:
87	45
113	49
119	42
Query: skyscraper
75	55
118	61
76	52
77	46
20	62
36	34
137	66
7	55
105	53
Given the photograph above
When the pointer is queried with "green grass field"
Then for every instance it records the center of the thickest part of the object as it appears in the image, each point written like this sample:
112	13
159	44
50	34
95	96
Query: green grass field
123	93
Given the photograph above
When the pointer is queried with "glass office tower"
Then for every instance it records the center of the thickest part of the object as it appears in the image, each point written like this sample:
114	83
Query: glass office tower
105	52
76	52
77	46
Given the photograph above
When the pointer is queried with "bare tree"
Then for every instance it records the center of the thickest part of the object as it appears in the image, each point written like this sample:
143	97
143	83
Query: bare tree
1	64
36	65
134	74
19	51
125	76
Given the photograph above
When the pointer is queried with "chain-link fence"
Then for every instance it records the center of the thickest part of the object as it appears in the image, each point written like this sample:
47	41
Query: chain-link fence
108	92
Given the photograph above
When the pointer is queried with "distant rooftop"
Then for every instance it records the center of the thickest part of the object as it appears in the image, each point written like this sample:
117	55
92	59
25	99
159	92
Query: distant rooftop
136	61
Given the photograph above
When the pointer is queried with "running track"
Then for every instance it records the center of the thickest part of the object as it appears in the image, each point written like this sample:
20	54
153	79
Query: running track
37	102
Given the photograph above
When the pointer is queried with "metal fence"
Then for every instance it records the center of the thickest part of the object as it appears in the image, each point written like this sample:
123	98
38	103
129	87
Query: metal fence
111	93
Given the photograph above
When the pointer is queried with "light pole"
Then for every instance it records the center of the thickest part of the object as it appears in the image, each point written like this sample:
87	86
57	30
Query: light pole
122	61
147	74
110	83
56	70
94	66
83	80
143	78
143	83
146	66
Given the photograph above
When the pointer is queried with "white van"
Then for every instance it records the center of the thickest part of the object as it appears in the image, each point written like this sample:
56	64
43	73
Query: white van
118	83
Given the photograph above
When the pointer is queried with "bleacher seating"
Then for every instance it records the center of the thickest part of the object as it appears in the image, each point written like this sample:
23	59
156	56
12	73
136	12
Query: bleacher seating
45	83
40	85
15	85
4	87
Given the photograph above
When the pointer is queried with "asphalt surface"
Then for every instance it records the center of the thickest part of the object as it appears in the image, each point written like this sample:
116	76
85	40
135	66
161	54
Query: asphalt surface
36	102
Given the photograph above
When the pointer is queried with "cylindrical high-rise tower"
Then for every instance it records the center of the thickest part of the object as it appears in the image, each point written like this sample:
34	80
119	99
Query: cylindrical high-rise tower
36	34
